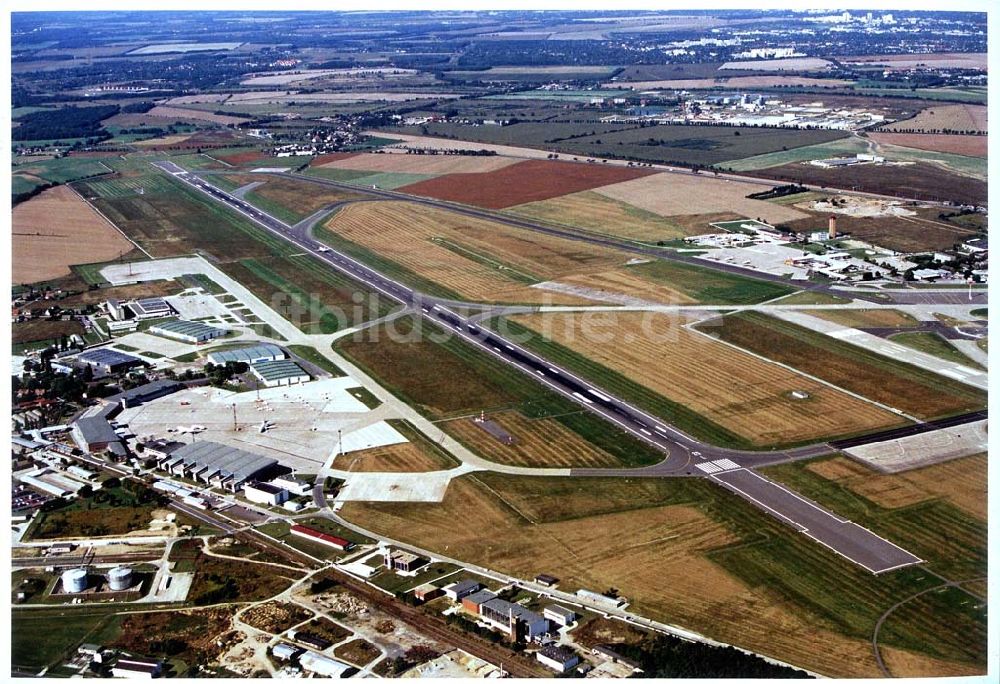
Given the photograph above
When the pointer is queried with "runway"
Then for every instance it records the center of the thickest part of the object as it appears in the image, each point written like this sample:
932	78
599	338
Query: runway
684	456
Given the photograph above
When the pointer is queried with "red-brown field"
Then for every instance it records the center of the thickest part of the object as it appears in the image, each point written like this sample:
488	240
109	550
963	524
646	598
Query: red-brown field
240	158
969	145
528	181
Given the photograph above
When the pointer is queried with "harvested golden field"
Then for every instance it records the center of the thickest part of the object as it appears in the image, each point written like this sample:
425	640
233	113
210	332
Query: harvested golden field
865	318
968	145
426	142
961	481
165	141
939	60
635	536
955	117
57	229
737	391
909	664
608	285
434	164
165	112
595	212
675	194
539	442
395	458
655	555
475	258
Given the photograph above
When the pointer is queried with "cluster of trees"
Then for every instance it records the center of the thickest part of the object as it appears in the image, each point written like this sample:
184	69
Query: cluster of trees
219	375
664	656
66	122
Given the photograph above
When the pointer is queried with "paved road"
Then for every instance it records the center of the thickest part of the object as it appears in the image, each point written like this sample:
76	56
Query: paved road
683	455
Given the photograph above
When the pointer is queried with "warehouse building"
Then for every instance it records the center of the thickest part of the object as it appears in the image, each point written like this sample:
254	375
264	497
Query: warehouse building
310	639
323	666
280	373
248	355
134	667
109	360
559	658
457	591
191	332
321	537
426	592
218	464
154	307
474	601
285	651
263	493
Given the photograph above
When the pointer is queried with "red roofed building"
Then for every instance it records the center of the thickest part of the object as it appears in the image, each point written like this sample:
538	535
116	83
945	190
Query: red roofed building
321	537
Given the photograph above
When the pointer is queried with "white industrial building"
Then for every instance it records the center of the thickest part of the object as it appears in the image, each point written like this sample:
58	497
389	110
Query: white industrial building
280	373
134	667
191	332
559	658
294	486
322	666
262	493
559	615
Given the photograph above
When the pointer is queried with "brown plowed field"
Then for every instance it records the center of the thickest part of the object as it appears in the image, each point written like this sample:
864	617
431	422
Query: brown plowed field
901	233
56	229
432	164
969	145
542	443
240	158
735	390
921	180
527	181
473	257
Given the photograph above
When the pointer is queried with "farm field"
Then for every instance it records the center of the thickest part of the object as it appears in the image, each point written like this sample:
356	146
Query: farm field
48	231
966	145
901	233
436	249
936	119
785	64
706	384
689	553
181	113
922	180
528	181
960	482
445	378
866	318
62	170
731	82
668	143
834	148
943	60
594	212
917	392
430	164
674	194
539	442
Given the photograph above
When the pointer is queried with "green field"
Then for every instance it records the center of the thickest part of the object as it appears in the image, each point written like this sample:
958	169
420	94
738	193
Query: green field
65	169
343	175
917	391
700	145
934	344
40	639
708	286
312	356
845	147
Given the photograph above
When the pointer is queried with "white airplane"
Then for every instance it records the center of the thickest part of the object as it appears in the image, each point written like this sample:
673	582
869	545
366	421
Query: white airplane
265	425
